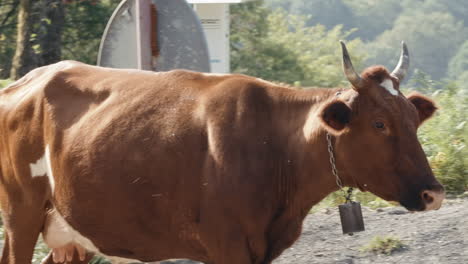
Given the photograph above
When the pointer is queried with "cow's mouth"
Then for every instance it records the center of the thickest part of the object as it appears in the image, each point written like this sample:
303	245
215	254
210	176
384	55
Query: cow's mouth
413	206
426	201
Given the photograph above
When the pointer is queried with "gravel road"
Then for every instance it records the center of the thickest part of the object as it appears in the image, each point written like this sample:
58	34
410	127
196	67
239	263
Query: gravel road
430	237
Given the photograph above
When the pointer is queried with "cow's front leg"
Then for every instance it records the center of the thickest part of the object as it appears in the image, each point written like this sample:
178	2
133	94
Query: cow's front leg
231	244
23	224
235	253
282	235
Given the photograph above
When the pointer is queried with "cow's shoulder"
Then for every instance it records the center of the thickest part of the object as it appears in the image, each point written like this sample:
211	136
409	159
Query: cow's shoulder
244	93
24	109
239	101
75	89
62	92
34	81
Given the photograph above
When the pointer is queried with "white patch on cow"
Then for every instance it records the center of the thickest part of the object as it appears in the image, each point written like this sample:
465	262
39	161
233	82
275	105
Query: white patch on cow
58	233
42	167
39	168
265	81
388	85
212	146
216	74
65	65
50	174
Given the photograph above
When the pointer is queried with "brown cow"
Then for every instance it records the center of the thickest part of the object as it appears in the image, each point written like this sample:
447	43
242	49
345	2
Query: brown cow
217	168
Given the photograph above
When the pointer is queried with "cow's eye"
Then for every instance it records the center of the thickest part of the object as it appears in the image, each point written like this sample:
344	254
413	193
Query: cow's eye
379	125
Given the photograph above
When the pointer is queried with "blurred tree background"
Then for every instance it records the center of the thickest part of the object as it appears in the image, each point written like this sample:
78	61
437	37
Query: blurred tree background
290	41
42	32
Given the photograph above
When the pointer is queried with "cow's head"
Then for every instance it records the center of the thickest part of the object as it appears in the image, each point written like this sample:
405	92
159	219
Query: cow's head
376	143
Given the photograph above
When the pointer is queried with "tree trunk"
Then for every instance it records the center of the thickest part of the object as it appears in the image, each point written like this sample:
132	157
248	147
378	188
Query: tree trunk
52	19
8	12
23	61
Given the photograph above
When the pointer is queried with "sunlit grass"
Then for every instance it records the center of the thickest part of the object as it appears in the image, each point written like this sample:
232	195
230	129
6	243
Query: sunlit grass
365	198
384	245
40	252
4	83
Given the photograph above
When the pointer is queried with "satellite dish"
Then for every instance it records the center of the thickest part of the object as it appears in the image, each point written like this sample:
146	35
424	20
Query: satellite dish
157	35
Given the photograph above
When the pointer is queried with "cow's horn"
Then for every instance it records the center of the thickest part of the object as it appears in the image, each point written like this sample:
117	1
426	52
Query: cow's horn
348	69
401	69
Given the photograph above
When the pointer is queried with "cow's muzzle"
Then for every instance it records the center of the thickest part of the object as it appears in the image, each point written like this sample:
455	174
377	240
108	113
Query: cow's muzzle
433	198
429	197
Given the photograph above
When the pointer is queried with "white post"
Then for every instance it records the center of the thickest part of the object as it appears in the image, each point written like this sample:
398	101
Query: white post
215	22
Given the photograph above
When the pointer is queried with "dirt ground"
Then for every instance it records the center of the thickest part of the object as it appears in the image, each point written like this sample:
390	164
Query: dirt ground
430	237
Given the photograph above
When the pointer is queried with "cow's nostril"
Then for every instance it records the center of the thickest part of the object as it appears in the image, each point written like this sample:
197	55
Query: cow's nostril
432	199
428	199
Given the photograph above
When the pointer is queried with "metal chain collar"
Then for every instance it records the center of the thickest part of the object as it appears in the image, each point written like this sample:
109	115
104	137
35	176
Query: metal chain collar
347	195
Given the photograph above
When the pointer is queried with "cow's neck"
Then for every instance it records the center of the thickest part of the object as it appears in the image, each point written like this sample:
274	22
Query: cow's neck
310	177
304	176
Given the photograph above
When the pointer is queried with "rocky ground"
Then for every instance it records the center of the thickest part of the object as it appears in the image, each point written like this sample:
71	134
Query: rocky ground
430	238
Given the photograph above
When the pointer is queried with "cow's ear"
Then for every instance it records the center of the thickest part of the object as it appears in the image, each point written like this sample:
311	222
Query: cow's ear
425	106
335	116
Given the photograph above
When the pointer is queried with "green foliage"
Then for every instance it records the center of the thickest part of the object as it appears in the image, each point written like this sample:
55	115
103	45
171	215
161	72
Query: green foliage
365	198
4	83
40	252
372	201
99	260
441	30
459	63
249	35
284	49
84	25
433	29
445	136
373	17
7	37
457	8
329	13
384	245
462	80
